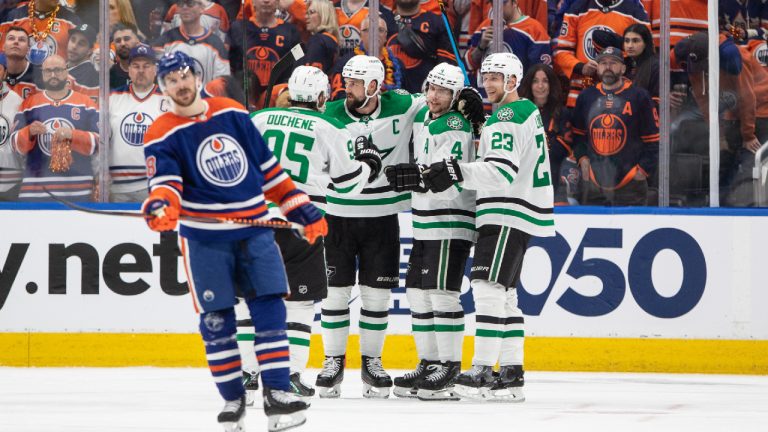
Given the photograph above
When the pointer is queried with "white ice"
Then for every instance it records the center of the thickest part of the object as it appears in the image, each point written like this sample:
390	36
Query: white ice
185	399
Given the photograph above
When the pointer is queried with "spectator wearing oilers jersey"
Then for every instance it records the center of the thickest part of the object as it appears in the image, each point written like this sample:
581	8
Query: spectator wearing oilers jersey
22	75
47	23
132	109
575	52
615	136
267	39
197	41
11	164
56	129
421	43
206	159
351	14
686	17
213	18
79	50
323	45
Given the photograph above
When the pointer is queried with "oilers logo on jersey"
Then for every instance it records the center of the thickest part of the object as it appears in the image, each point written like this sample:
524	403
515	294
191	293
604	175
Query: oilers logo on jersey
44	140
5	130
261	60
40	50
589	47
761	54
609	134
350	37
134	126
222	161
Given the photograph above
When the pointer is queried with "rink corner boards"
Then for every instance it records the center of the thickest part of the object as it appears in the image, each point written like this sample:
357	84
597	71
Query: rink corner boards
542	353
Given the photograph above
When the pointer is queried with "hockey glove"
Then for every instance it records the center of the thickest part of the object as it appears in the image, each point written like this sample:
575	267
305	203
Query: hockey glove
297	208
405	177
366	151
440	176
161	210
470	105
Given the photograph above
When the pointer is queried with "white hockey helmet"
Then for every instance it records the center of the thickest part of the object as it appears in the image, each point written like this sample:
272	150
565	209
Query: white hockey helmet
447	76
366	68
506	64
307	83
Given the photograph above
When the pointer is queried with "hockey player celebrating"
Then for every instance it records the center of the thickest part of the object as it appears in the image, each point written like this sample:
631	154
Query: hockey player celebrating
363	245
206	159
514	202
443	232
312	148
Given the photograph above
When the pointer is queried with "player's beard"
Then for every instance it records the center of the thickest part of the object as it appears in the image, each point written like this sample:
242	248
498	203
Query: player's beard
55	84
180	98
354	104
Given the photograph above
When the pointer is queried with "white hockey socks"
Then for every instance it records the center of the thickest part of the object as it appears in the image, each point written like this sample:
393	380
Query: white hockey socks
490	299
422	323
374	316
449	324
514	335
300	315
245	338
334	320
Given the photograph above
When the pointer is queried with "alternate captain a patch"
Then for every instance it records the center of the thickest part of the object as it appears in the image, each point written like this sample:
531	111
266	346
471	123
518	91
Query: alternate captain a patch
222	161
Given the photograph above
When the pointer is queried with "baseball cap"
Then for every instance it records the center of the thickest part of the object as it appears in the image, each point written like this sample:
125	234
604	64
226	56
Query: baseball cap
87	31
142	51
693	50
610	51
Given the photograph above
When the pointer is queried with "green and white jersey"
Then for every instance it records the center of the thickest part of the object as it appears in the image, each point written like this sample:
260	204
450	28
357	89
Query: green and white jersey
390	129
511	174
449	214
314	150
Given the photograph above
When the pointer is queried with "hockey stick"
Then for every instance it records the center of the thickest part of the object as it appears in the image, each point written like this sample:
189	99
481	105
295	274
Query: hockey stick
259	223
282	65
245	50
453	42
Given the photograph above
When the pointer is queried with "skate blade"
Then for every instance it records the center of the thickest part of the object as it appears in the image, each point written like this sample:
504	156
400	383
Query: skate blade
437	395
404	392
234	426
250	398
371	392
508	395
329	392
471	393
281	422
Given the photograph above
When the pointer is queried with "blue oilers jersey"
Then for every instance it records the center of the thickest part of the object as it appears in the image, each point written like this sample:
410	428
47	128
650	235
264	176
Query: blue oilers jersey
218	165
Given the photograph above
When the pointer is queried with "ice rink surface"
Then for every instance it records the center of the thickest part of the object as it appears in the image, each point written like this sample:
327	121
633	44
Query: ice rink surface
159	399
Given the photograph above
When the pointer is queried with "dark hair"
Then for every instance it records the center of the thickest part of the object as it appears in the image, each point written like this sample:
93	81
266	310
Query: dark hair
121	27
645	61
555	97
16	28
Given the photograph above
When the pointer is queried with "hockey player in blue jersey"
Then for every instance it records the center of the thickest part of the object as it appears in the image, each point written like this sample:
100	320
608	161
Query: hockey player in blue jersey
206	159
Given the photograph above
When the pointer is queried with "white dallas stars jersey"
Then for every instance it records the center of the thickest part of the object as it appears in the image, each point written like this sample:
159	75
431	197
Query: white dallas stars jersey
511	174
390	128
449	214
11	169
314	150
130	115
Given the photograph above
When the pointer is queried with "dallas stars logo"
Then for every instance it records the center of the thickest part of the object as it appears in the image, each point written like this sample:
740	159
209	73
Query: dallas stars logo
454	122
505	114
401	92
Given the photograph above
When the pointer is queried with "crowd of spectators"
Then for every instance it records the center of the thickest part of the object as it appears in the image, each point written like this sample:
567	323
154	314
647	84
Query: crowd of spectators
591	66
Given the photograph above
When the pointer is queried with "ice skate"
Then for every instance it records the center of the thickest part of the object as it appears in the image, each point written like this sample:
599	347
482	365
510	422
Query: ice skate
475	383
232	417
284	410
251	384
328	382
406	386
376	381
438	385
301	389
508	386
